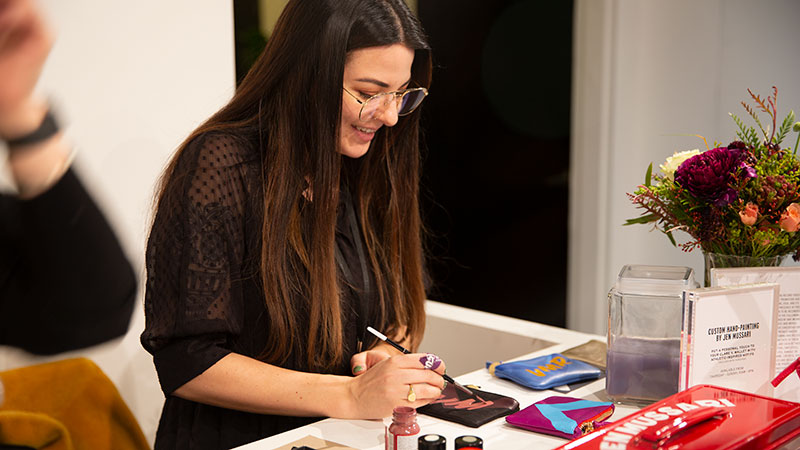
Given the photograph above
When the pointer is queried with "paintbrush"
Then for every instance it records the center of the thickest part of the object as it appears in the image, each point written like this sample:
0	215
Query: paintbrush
394	344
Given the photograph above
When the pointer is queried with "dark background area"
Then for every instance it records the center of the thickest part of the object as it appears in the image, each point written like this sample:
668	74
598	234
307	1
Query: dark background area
497	136
496	139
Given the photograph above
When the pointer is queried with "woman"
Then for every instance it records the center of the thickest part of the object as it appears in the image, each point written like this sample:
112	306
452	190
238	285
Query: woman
287	224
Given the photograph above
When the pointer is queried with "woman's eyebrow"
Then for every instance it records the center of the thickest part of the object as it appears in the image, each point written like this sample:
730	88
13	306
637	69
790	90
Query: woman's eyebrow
379	83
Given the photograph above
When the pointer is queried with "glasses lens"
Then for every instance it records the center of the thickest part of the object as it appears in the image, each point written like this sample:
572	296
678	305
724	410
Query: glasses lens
372	105
410	101
406	103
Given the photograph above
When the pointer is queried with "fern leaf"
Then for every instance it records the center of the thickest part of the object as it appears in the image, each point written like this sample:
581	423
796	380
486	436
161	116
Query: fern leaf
745	134
742	129
759	101
754	115
785	128
763	131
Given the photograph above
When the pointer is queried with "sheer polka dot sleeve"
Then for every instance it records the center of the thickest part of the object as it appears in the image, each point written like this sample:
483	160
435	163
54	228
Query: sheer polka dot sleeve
193	298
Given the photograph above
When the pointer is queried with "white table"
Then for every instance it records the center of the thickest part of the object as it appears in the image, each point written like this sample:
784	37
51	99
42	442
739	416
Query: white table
496	435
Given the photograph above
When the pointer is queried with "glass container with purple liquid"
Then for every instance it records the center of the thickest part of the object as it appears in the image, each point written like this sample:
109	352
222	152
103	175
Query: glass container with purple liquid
645	309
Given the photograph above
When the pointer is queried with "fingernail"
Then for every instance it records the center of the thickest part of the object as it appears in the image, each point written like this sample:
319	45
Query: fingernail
445	385
358	369
430	361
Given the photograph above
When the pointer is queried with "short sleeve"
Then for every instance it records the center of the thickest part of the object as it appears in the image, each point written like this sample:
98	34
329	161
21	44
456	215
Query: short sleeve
193	297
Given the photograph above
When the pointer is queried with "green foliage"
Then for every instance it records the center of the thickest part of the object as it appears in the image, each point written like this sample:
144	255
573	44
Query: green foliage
671	238
754	115
642	219
764	199
786	126
746	134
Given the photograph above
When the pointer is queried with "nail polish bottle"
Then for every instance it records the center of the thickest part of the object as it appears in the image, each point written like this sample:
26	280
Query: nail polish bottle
402	434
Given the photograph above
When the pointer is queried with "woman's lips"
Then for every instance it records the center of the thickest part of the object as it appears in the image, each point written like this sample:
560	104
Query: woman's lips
364	133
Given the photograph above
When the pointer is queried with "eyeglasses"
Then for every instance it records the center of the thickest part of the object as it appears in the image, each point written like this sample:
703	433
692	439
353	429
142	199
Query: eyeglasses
406	101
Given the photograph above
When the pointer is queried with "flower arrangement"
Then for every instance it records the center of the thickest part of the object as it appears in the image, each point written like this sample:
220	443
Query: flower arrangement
741	199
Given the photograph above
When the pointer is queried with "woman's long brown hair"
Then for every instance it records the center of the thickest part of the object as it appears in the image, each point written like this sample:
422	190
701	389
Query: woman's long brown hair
292	97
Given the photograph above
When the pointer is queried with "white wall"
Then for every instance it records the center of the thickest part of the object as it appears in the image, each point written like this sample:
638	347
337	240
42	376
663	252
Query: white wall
131	80
645	72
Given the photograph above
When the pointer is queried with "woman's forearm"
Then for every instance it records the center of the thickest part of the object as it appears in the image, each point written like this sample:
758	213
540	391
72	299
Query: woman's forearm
246	384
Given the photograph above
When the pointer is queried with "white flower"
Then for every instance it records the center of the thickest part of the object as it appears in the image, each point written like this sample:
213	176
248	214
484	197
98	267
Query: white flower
673	162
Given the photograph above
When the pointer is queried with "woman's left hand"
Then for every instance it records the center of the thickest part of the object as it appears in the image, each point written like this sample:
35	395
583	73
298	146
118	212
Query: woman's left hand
361	362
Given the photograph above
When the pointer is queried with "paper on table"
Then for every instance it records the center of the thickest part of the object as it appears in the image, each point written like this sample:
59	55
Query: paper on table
729	337
787	347
315	443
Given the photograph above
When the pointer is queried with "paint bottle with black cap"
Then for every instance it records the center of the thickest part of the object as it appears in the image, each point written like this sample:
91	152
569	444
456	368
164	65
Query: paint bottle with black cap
431	442
468	443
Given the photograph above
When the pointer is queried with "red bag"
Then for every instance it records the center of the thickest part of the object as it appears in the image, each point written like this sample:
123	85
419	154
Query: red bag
702	417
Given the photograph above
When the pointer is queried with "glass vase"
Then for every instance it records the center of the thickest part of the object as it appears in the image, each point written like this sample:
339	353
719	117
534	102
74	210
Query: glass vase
719	260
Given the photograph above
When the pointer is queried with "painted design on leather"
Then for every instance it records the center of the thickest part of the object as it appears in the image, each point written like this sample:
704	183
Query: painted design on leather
451	398
555	413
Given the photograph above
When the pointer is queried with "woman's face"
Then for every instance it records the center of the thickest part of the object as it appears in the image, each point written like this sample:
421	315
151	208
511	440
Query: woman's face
370	71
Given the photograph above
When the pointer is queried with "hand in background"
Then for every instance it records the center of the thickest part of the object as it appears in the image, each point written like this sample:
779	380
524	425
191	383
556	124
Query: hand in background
25	41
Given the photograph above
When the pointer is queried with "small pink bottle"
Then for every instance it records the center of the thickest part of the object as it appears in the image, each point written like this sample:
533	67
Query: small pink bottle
403	432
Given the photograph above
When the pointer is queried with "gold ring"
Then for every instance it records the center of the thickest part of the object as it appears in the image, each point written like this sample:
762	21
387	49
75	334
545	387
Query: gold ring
411	395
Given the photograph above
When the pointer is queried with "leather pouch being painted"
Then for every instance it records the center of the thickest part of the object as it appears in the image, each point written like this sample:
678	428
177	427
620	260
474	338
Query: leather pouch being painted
544	372
473	411
565	417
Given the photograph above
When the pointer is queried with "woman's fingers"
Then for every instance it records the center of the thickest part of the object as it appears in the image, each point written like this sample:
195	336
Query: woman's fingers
423	393
427	361
401	380
432	362
360	362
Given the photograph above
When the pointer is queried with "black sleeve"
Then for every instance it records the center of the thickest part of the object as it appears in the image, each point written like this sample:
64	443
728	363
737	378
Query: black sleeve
193	293
65	282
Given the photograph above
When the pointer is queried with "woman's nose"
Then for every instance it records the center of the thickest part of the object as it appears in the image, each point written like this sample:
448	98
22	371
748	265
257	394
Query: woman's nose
389	114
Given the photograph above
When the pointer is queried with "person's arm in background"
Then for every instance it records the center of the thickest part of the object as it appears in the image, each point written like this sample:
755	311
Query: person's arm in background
65	282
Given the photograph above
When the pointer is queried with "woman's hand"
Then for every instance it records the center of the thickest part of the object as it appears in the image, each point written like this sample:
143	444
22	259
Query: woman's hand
377	353
377	391
25	41
360	362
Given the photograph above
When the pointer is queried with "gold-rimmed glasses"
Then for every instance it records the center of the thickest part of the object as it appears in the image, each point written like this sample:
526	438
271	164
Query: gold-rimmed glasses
406	101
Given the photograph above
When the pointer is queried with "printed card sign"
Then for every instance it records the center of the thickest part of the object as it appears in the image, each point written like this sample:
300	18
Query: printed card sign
787	347
729	337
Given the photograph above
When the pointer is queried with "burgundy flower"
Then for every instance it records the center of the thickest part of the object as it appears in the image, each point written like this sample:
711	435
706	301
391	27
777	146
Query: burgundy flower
738	145
747	159
748	170
710	174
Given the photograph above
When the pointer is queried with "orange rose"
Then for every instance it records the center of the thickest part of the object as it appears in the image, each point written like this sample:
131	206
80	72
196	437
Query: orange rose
790	219
749	214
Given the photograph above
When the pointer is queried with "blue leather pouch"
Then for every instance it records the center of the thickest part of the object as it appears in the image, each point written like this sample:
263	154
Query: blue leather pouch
544	372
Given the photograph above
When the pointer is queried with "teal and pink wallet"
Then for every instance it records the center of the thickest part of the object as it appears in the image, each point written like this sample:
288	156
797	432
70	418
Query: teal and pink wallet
561	416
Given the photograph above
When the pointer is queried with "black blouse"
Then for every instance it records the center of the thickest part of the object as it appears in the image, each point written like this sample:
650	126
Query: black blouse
203	298
65	282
